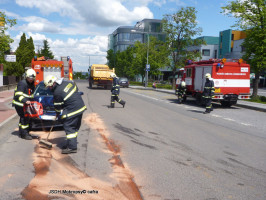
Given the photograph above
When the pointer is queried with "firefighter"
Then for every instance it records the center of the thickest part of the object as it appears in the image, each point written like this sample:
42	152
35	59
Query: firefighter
23	94
208	93
70	106
181	92
115	92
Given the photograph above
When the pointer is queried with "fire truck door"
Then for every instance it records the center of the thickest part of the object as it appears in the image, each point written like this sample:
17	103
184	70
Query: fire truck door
55	71
207	69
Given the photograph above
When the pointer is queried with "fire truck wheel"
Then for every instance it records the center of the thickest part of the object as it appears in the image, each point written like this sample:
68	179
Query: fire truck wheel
90	84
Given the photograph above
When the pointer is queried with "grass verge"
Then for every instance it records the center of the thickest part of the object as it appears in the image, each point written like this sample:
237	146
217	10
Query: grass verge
257	99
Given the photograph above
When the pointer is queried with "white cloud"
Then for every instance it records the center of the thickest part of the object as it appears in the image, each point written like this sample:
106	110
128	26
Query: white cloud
94	12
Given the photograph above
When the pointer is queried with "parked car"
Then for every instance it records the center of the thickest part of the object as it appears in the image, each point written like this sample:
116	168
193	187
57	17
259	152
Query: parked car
123	82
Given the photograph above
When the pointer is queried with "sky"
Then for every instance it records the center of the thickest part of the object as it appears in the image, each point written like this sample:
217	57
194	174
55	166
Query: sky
80	28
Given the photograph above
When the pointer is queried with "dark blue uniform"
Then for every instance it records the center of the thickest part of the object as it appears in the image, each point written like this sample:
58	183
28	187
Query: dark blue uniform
115	93
67	99
23	92
208	93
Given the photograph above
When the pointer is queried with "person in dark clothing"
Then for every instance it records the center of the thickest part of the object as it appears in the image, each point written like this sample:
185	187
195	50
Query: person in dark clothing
70	106
181	92
23	94
115	92
208	93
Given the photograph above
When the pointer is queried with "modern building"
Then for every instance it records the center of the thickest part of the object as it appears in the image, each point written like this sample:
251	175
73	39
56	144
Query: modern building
230	43
210	50
125	36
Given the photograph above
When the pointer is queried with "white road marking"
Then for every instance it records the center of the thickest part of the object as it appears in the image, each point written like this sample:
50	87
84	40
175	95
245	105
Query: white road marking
192	108
229	119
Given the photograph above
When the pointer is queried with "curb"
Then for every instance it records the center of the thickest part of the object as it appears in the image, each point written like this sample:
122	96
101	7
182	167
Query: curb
251	107
237	105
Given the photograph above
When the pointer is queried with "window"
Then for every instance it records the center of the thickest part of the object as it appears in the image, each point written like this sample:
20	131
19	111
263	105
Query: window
123	37
232	49
189	72
136	37
243	48
215	53
232	37
206	52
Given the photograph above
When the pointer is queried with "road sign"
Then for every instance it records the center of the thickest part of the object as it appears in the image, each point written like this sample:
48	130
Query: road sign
10	58
148	67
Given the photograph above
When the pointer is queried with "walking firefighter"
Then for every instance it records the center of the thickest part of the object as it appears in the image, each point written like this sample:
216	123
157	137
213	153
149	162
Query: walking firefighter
115	92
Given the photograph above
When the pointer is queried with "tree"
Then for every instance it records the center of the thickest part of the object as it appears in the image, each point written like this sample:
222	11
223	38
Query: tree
180	28
251	18
14	69
25	51
5	40
45	51
30	48
111	58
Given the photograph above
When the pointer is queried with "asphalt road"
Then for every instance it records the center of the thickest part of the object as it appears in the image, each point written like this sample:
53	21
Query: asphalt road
152	149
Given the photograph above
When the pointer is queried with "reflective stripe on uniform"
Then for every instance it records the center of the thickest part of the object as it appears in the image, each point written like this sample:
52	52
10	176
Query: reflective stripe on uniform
58	103
20	98
17	103
73	113
72	135
23	94
24	126
70	93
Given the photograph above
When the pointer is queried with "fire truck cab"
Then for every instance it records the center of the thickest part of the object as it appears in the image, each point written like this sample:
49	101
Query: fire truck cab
231	80
44	67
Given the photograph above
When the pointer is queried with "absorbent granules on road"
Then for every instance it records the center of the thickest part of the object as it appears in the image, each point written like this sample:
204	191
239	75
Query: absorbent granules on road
57	177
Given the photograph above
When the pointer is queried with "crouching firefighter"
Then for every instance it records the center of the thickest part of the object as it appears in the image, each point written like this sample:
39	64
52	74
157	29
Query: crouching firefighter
208	93
115	92
181	92
70	106
23	94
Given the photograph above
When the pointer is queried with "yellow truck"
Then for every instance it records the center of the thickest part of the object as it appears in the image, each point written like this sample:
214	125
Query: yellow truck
100	75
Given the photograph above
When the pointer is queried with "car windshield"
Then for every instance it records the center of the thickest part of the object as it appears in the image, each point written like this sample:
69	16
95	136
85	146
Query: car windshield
123	79
41	90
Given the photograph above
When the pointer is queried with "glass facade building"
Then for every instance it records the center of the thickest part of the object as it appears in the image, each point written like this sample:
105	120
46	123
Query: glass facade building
125	36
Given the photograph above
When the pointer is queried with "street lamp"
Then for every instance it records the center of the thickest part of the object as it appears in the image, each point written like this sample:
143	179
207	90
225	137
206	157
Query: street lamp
147	68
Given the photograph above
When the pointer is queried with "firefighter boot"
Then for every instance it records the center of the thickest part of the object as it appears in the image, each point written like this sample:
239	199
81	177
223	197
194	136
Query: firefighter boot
112	105
123	103
207	111
26	136
67	151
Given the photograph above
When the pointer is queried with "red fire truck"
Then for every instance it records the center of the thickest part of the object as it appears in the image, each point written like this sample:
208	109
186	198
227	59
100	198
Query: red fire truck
231	79
44	67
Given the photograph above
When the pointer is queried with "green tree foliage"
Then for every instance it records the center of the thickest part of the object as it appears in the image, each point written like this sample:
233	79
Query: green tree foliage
133	60
45	51
251	18
14	69
30	49
80	75
111	58
181	28
5	40
25	51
